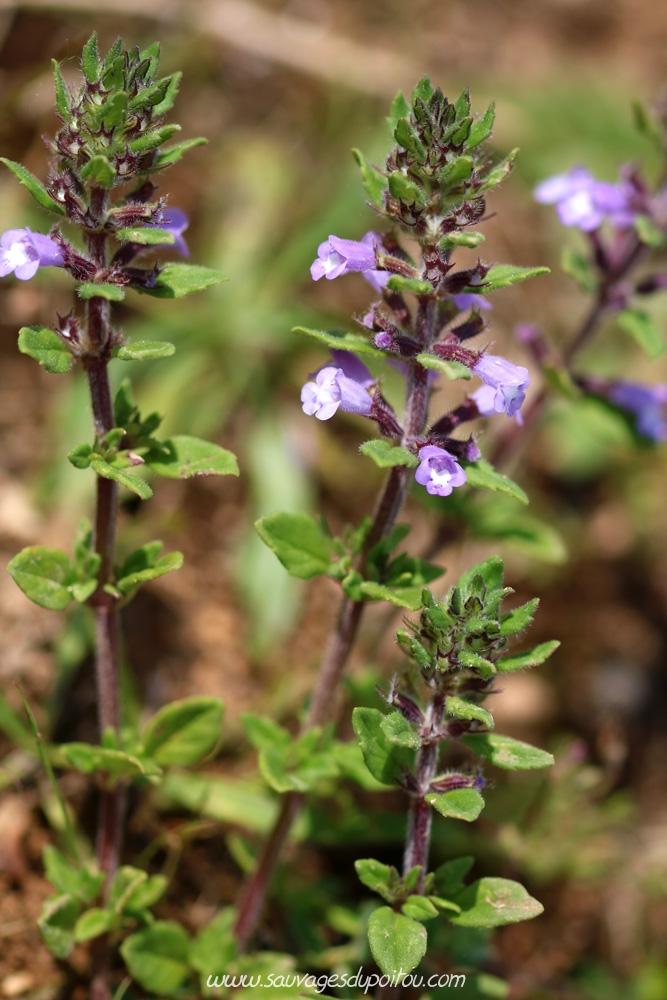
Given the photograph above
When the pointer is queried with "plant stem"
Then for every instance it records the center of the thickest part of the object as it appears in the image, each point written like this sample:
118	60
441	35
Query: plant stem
112	799
418	837
334	661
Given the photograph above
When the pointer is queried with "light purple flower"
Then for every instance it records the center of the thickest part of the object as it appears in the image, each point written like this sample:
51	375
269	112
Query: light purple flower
24	252
470	300
585	202
341	386
337	256
439	471
504	391
175	221
646	403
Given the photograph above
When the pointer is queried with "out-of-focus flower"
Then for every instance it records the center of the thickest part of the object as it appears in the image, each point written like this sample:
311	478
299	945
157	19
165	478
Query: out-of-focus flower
585	202
439	471
505	388
337	256
343	385
175	221
471	300
24	252
646	403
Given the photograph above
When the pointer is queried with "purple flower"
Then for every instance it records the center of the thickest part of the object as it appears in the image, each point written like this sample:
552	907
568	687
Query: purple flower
336	256
24	252
175	221
470	300
505	387
584	202
439	471
646	403
343	386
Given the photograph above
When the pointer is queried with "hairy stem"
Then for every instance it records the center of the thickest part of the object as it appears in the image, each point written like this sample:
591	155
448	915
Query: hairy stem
112	799
334	661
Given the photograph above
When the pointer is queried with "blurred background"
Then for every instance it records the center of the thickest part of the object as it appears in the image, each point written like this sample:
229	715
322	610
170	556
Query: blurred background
282	91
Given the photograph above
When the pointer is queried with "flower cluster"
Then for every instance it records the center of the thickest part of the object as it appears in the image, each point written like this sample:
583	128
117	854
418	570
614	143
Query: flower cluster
584	202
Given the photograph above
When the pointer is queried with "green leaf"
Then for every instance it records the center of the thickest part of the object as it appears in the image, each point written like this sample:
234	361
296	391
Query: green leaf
515	621
145	350
402	597
399	109
157	957
350	762
100	171
62	95
56	924
462	709
460	803
298	541
398	943
507	753
503	275
397	283
385	455
213	950
151	140
143	565
134	483
184	731
182	457
174	281
90	290
648	232
405	190
377	877
341	341
147	894
423	91
227	801
406	137
473	661
497	174
644	329
419	908
34	186
172	154
398	730
494	902
46	347
450	875
167	103
532	658
452	369
482	128
579	267
264	733
491	571
483	476
89	759
90	60
149	236
68	878
92	923
125	882
384	759
44	575
375	184
470	240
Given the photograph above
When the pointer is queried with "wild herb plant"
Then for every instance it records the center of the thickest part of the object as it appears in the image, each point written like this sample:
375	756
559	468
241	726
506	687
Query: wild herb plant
431	193
106	157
